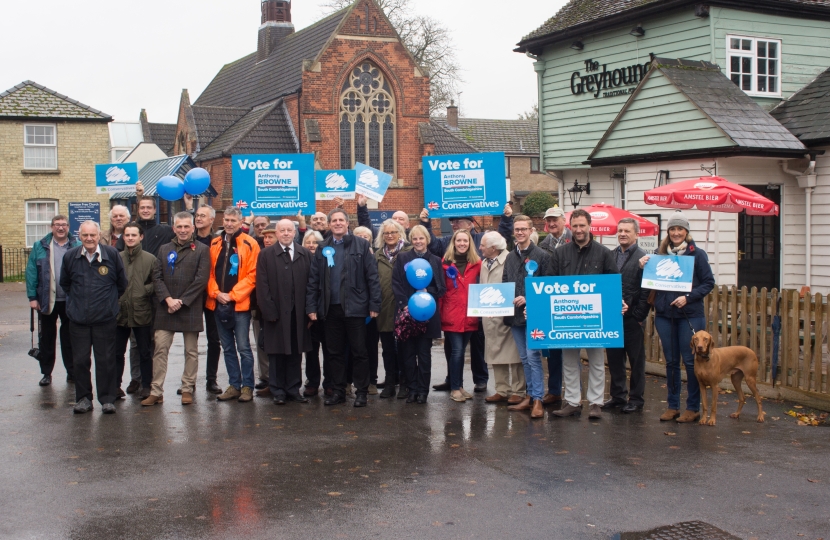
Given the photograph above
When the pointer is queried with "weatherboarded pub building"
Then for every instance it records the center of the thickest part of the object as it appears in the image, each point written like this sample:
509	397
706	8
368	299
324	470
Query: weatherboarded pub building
636	95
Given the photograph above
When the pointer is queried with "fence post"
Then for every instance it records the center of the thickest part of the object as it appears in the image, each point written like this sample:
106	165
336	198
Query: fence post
2	266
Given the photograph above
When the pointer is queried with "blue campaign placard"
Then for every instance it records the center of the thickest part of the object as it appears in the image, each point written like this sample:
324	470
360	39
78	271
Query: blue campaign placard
274	184
574	312
464	184
371	182
339	183
83	211
491	300
669	273
115	177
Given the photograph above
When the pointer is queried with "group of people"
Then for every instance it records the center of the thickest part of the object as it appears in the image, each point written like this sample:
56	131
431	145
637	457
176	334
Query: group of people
331	290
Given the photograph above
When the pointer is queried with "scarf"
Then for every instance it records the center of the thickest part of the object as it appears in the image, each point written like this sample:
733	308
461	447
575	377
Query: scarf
394	252
679	250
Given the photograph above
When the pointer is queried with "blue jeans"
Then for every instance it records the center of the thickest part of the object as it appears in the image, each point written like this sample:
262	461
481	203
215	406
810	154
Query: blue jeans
532	363
458	344
233	339
555	372
676	335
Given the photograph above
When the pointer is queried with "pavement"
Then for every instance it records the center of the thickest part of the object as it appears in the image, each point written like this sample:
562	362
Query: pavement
440	470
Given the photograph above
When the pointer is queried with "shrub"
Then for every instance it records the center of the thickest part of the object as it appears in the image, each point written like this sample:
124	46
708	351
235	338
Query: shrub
537	203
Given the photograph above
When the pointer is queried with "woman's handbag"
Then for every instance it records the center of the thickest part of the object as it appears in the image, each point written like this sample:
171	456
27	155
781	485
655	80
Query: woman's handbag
406	327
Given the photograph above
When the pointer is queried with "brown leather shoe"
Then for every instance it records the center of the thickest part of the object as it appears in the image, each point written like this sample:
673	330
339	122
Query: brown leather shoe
524	405
595	411
538	410
670	414
514	399
152	400
310	392
551	399
265	392
187	398
496	398
567	410
688	416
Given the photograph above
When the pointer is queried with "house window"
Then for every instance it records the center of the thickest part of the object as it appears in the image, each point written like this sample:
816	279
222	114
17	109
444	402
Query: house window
40	147
367	120
39	216
755	64
534	164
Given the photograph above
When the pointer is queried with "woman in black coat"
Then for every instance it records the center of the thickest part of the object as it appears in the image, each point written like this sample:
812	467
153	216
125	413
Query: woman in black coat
417	351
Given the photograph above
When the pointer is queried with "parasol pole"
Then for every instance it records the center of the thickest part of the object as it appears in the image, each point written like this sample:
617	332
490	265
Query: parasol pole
708	225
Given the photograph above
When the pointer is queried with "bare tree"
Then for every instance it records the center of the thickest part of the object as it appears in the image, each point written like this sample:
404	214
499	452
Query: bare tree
532	114
430	43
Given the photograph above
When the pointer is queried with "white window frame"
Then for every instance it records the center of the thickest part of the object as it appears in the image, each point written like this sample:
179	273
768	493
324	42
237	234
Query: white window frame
27	144
753	54
36	227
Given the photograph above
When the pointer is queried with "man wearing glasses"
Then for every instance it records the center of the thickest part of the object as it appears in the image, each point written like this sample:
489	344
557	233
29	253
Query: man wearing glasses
46	296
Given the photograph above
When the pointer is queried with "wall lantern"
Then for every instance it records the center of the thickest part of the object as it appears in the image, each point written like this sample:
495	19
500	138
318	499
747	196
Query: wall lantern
577	45
575	192
637	31
662	179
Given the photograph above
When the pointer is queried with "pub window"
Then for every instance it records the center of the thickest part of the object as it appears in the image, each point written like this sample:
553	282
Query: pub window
39	216
367	120
40	146
755	64
534	164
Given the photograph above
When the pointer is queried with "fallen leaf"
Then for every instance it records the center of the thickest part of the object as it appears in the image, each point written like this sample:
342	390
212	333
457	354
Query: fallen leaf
746	432
798	406
772	496
384	485
568	480
333	493
470	494
437	523
812	480
674	447
433	492
562	452
567	508
669	433
455	445
641	486
522	492
529	504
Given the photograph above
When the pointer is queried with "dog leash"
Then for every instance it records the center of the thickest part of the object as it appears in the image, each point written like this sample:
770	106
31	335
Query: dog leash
692	328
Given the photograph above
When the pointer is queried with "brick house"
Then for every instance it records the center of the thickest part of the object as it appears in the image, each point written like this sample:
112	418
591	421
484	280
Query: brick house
344	88
49	146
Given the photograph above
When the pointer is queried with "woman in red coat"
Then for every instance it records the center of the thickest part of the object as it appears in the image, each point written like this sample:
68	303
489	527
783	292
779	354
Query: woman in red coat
462	266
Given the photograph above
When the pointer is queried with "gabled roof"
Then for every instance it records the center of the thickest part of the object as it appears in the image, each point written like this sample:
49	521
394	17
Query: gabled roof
211	122
263	130
587	15
743	126
448	143
807	113
164	135
31	100
150	174
509	136
246	83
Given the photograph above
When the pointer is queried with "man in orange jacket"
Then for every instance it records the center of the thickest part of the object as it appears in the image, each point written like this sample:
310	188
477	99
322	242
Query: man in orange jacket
233	258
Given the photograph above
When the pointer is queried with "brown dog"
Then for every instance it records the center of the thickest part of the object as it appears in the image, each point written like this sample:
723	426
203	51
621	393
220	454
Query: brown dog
712	365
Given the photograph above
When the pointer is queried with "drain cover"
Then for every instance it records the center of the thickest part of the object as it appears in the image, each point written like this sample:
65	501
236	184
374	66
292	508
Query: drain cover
687	530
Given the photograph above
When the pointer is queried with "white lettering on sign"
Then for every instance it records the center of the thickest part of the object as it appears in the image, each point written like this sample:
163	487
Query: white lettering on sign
450	165
563	288
262	165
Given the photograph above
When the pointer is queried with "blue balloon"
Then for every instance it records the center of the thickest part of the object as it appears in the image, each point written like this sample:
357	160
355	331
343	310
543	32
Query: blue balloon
419	273
196	181
421	306
170	188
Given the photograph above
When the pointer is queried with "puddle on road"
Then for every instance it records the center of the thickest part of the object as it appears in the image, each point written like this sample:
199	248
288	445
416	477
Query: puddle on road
687	530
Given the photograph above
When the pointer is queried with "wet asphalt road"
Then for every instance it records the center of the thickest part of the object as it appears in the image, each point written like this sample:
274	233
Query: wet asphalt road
441	470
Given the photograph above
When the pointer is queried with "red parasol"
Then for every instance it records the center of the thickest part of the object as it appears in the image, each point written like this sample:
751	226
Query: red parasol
711	194
604	219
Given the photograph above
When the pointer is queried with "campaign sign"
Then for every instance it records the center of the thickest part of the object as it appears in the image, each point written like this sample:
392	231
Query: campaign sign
83	211
491	300
649	244
274	184
371	182
464	184
115	177
669	273
331	184
574	312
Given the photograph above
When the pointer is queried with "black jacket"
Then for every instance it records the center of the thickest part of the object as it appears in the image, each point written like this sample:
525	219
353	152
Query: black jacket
359	288
438	244
155	235
403	290
632	278
572	260
92	289
515	272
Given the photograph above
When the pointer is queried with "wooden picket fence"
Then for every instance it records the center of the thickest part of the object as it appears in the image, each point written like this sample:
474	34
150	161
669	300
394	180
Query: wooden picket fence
745	317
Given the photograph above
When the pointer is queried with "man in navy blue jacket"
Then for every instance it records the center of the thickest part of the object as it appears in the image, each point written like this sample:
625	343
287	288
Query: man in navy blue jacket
93	278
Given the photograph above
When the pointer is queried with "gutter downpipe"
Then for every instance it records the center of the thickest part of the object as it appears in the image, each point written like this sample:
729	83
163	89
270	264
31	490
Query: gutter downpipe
806	181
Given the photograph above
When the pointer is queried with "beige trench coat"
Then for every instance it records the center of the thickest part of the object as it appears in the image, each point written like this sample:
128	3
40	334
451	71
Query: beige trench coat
499	346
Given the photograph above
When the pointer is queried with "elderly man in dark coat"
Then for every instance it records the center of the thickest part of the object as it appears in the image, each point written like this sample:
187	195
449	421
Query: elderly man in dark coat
180	279
282	275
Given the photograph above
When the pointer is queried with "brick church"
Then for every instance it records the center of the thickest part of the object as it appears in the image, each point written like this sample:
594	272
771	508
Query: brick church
344	88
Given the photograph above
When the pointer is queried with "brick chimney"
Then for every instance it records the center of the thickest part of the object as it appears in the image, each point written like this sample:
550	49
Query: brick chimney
452	115
276	24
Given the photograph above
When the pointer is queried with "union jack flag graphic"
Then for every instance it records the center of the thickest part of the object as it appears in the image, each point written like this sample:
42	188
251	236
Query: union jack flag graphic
241	204
537	334
433	205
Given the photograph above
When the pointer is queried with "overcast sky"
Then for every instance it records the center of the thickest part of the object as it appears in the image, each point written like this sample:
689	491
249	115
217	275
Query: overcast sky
121	56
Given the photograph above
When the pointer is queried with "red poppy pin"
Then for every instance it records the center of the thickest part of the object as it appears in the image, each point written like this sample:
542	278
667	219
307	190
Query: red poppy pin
527	259
691	249
192	246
